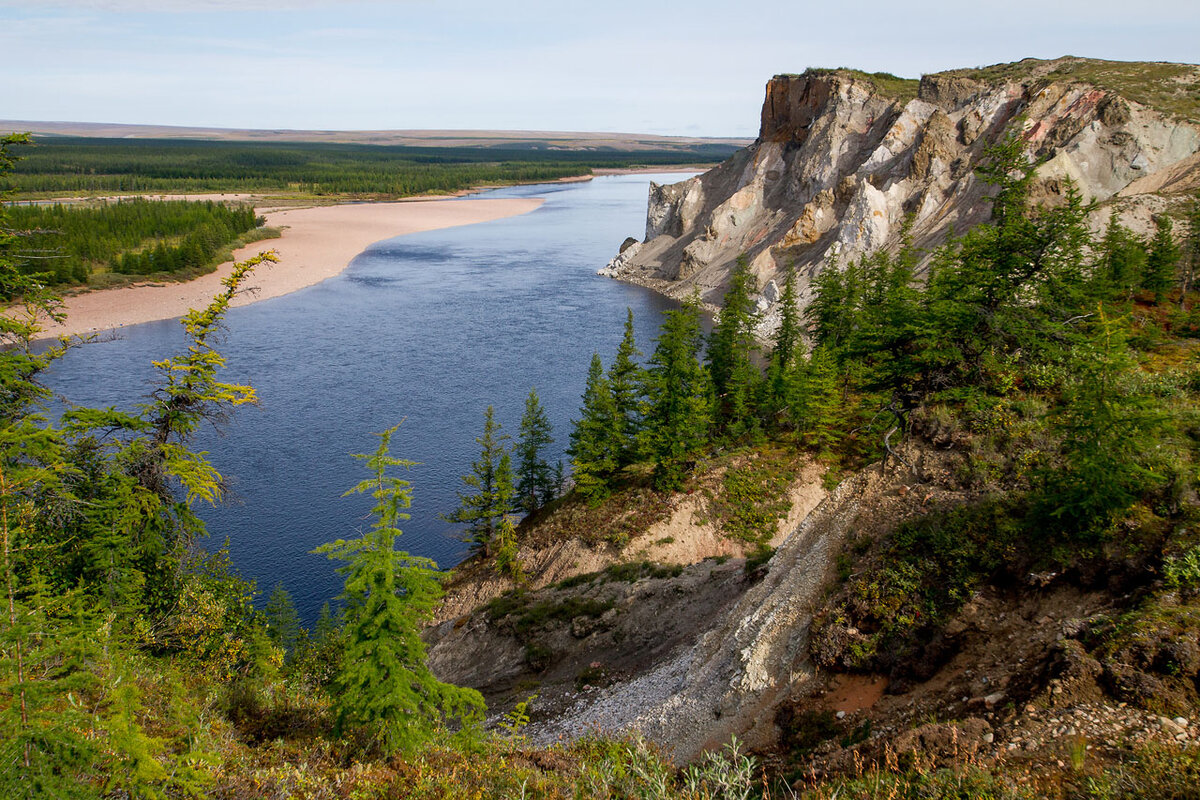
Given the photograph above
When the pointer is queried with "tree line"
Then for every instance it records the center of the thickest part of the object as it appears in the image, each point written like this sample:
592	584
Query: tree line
66	244
69	165
1027	305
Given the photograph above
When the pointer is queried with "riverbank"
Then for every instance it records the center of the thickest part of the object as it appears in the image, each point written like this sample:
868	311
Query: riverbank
317	243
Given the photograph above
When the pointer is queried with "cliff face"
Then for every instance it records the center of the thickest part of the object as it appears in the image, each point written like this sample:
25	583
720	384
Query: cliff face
839	164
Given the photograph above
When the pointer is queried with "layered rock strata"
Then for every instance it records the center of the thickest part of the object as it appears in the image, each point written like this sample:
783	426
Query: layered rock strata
839	165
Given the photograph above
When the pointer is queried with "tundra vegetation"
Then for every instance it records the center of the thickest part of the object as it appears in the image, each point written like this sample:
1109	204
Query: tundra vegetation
134	663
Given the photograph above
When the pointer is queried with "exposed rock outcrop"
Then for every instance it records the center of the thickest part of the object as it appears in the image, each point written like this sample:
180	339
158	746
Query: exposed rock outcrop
840	164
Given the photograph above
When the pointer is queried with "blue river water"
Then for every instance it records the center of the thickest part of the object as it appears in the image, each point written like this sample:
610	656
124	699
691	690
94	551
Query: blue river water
429	328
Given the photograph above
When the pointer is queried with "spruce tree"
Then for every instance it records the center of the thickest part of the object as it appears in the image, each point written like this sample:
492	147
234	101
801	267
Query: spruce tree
535	480
384	686
283	622
1120	262
596	438
731	349
625	381
833	311
1162	259
490	493
678	396
818	404
1190	259
786	346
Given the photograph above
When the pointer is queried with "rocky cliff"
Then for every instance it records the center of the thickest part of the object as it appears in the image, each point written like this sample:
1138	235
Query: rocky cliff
844	158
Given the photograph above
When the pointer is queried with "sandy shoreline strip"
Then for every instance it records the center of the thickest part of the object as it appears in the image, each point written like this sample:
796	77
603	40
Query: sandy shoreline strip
317	243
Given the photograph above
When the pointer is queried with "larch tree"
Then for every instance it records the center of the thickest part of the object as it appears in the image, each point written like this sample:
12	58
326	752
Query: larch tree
384	686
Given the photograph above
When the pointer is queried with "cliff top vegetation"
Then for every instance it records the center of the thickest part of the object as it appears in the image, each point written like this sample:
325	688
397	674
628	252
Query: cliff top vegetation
1167	87
1164	86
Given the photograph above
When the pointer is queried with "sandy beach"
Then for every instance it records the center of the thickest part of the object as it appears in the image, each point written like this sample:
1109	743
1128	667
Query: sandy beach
317	243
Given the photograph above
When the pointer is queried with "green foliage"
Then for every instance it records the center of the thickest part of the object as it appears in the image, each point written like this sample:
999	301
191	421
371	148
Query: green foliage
515	720
283	622
490	493
722	775
67	243
65	165
596	440
1120	266
928	568
1156	84
99	558
731	352
1113	437
1190	255
630	571
785	352
1183	572
887	84
625	384
1162	259
754	496
507	562
535	479
678	398
525	616
385	686
759	557
1149	771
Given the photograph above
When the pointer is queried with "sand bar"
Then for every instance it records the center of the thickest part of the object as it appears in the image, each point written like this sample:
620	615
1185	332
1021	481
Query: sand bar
317	243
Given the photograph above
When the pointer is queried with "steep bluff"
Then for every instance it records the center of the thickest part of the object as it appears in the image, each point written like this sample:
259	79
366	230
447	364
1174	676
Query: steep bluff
842	160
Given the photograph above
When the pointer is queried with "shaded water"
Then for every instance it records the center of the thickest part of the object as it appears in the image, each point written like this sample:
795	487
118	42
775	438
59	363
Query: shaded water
430	328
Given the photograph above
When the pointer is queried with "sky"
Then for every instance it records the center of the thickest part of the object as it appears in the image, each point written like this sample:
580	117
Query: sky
694	68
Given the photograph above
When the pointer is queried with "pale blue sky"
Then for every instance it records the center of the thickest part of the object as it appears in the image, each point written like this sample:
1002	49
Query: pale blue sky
693	68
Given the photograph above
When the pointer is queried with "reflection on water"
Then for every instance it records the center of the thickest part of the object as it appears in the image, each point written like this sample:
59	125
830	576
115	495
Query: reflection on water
429	328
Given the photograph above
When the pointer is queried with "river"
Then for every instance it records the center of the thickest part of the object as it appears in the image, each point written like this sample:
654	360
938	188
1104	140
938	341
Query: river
428	328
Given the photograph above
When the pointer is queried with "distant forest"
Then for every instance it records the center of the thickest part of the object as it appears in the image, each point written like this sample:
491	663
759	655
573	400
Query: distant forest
84	165
66	244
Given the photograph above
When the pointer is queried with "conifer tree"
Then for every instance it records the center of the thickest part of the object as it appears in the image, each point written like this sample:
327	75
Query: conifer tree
731	349
283	622
835	305
1190	259
786	348
1121	261
384	685
596	438
535	480
624	379
819	404
1115	438
678	396
490	493
1161	260
507	562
